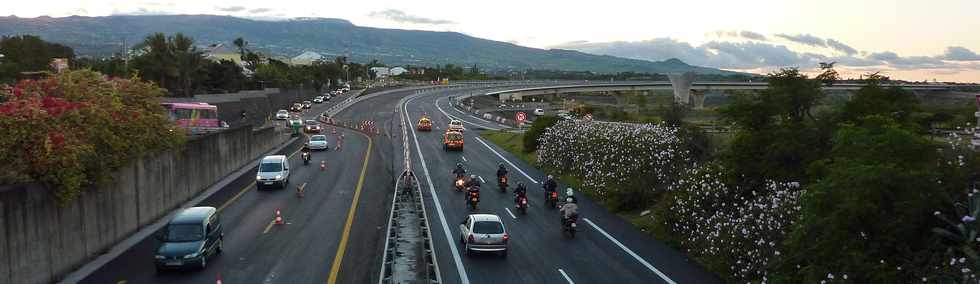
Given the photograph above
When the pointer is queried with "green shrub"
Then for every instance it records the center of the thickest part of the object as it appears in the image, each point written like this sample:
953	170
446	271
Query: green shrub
537	128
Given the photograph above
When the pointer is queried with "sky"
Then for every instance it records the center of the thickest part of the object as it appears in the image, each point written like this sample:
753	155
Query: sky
905	39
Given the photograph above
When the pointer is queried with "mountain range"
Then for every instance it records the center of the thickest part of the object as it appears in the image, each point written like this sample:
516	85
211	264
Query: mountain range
100	36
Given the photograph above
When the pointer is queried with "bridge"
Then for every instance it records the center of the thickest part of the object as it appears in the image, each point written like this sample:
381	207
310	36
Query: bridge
685	89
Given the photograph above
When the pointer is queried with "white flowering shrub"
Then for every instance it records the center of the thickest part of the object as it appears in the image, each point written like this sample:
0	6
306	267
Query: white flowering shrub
738	228
606	155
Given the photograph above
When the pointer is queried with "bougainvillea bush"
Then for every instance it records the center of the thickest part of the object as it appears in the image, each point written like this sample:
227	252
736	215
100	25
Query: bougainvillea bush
615	161
71	130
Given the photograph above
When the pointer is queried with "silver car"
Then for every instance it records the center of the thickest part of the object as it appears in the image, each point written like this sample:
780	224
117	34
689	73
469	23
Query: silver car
483	233
318	142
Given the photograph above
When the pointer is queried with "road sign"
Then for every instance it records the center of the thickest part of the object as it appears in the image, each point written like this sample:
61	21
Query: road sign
521	116
588	116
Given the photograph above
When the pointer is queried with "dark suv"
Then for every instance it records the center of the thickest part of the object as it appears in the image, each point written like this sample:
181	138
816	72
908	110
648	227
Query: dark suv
189	239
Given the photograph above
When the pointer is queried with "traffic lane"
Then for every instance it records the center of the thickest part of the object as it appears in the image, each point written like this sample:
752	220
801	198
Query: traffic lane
600	245
247	254
363	254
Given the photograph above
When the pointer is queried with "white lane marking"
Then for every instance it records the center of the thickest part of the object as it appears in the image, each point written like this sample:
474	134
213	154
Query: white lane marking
432	191
630	252
569	279
460	119
506	160
481	179
511	214
464	159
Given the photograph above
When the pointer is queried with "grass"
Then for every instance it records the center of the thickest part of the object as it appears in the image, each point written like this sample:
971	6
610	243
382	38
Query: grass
513	143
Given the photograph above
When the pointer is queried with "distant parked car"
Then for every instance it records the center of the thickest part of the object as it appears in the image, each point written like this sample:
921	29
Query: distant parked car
483	233
273	172
318	100
189	239
538	111
307	104
282	114
297	107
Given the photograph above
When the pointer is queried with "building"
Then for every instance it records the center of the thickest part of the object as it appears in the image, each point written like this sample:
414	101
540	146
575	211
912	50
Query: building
381	72
307	58
397	71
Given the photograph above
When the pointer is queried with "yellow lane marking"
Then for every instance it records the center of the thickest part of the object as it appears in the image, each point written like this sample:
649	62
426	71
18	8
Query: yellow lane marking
269	227
121	282
335	268
239	195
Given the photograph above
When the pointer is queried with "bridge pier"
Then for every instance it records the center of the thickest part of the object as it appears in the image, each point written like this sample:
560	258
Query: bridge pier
681	82
697	99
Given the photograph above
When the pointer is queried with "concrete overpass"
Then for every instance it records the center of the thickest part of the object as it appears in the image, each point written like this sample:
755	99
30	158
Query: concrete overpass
685	90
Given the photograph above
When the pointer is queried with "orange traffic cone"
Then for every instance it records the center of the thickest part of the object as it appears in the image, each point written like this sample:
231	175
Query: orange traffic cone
334	130
278	217
219	279
323	165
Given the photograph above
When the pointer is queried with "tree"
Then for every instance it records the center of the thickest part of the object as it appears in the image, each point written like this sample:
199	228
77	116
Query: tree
828	75
27	53
157	59
873	99
866	212
537	129
223	77
249	59
188	60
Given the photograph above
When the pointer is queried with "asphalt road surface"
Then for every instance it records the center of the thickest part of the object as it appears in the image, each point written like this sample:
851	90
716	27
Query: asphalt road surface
606	250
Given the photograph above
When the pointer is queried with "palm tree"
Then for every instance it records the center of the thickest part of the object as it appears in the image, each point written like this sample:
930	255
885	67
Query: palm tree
188	61
158	58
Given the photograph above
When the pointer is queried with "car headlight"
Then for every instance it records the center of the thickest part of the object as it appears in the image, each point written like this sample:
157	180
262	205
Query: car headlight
193	255
159	257
278	176
258	177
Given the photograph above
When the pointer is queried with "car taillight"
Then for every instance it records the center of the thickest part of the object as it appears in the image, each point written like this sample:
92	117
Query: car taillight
506	237
471	239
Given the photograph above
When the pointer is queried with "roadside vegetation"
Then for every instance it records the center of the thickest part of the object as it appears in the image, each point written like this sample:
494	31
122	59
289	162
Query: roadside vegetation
73	129
803	192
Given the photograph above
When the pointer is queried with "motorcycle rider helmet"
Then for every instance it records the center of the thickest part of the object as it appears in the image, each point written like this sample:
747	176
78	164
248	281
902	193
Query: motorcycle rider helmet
459	165
551	177
500	165
520	184
568	192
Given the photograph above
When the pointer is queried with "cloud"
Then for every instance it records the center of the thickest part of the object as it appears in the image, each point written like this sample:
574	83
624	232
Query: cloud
752	35
260	10
959	53
141	11
231	9
401	17
840	46
806	39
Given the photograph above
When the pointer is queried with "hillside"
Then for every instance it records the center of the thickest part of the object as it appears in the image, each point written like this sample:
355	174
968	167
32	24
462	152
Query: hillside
330	37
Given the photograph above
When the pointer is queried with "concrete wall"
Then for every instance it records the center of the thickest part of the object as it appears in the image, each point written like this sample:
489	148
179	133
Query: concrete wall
41	241
257	104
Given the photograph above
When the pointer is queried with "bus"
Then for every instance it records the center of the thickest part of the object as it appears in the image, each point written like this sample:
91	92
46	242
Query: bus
196	118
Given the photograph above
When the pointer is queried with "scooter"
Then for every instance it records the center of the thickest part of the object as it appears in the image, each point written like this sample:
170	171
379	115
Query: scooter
503	184
569	225
522	204
474	197
306	158
459	183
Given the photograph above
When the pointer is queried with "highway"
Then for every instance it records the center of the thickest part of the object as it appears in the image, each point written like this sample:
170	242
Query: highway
607	250
304	249
335	234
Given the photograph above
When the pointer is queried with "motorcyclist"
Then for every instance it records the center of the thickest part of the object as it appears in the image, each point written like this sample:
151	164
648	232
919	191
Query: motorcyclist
501	171
472	188
520	191
550	186
567	210
306	152
570	195
459	171
473	181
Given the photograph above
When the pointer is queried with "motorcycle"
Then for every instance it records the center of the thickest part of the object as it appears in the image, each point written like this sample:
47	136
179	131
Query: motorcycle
459	183
474	197
552	199
569	225
306	158
503	184
522	204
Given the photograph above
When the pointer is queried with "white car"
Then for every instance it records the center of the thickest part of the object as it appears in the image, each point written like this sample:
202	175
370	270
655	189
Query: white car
483	233
273	172
282	114
318	100
538	111
456	125
318	142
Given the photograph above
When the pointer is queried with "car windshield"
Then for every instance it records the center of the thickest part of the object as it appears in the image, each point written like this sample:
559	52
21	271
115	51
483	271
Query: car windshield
270	167
488	227
318	138
283	112
184	233
311	122
454	136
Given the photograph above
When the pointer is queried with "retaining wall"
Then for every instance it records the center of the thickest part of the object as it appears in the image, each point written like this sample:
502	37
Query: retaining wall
40	241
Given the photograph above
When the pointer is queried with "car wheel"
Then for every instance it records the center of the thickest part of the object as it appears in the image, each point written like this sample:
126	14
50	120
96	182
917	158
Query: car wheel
467	248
